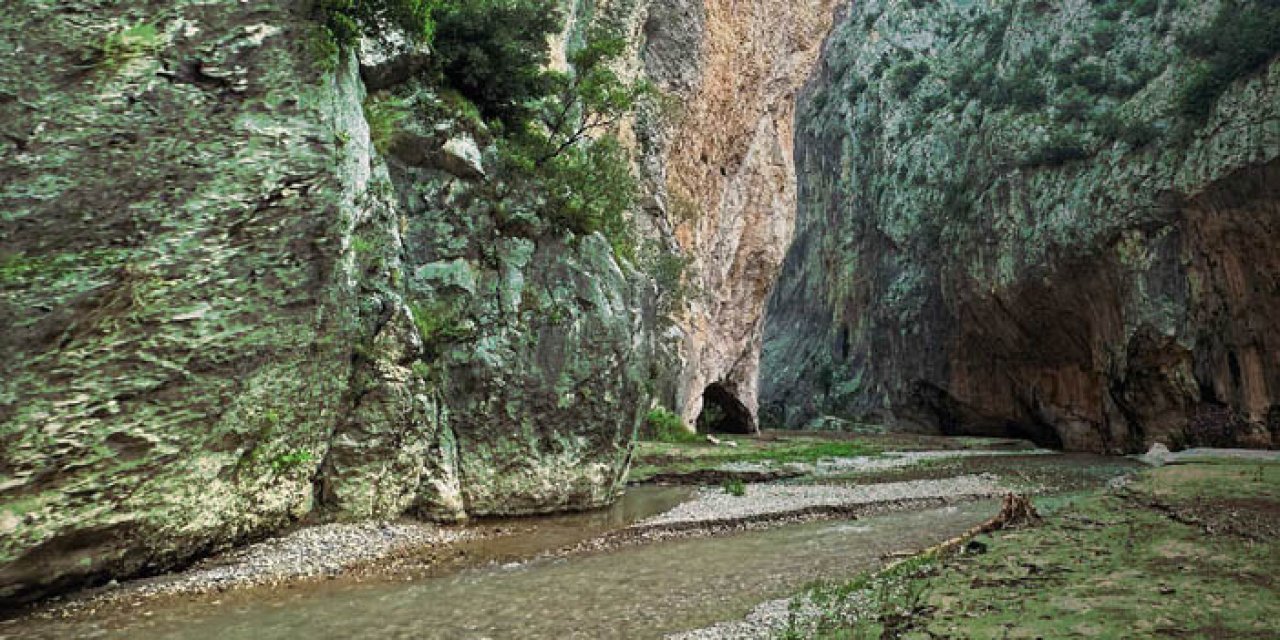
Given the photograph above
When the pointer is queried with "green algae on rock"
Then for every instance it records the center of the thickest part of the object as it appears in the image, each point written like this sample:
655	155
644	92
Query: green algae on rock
226	312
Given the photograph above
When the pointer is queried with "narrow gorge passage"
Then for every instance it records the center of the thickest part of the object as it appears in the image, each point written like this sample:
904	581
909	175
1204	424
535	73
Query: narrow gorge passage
398	317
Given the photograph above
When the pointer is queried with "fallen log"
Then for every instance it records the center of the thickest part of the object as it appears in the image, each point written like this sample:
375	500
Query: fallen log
1015	510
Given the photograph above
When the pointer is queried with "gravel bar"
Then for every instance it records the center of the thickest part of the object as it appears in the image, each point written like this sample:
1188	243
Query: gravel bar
714	505
323	551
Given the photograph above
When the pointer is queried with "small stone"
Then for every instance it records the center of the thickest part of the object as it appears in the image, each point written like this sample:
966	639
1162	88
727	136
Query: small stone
461	157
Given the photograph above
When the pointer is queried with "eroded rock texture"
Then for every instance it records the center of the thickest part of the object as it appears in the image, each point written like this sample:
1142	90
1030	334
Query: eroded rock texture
724	176
1010	222
224	312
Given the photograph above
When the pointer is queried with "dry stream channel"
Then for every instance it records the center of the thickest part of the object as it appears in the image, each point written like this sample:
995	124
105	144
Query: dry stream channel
518	585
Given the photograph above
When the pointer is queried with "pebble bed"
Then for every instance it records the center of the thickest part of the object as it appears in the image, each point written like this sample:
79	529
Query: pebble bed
765	621
714	504
322	551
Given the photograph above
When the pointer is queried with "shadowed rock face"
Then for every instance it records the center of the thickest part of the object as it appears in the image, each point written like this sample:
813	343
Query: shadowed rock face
1005	262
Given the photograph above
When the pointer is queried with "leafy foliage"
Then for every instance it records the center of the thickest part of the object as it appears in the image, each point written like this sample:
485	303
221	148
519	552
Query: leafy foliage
1241	39
591	189
565	154
346	21
665	426
552	128
494	52
591	98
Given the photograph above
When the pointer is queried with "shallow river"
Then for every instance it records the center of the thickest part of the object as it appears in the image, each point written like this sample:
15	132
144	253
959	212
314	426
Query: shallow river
635	592
507	587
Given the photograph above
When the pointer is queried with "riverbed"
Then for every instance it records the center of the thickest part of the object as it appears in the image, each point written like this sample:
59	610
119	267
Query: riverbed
537	578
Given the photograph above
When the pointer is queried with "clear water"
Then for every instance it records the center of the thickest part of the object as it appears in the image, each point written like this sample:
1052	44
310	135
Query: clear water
639	591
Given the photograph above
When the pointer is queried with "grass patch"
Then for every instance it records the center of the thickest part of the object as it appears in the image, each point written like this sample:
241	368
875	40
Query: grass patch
1214	479
664	426
734	487
1102	565
384	115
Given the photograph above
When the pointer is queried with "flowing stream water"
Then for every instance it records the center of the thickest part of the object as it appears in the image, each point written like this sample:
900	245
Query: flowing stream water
510	587
640	591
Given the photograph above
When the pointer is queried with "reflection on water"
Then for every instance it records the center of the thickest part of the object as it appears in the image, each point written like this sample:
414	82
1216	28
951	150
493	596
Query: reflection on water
636	592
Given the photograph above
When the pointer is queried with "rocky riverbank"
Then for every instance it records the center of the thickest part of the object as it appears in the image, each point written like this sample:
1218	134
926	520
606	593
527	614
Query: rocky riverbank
308	554
1183	551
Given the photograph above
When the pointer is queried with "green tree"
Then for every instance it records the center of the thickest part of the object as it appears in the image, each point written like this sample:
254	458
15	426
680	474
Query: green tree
347	20
494	53
590	98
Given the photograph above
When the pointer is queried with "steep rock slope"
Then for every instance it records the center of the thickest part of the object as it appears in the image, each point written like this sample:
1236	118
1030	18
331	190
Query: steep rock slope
723	176
224	312
1057	220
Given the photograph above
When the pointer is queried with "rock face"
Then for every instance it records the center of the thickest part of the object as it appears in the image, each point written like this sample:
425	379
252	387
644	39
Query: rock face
1016	218
231	306
723	177
224	312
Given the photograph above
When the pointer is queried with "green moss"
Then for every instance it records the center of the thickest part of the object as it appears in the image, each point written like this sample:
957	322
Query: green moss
128	43
288	462
1102	565
17	269
438	323
385	115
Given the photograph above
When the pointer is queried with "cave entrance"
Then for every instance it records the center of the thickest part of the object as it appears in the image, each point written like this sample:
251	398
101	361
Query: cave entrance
723	412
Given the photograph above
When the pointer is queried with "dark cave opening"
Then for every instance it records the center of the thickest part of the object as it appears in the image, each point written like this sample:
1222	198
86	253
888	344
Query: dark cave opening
723	412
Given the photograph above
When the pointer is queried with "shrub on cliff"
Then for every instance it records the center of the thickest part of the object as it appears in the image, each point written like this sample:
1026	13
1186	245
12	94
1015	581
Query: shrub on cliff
346	21
564	152
1242	39
665	426
904	78
494	52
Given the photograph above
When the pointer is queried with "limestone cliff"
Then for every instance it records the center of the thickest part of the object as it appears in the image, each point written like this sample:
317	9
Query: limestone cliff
724	179
235	299
1056	220
226	312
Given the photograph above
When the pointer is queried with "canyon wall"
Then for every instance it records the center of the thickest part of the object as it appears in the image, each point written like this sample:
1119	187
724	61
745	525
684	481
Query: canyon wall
226	312
234	300
722	173
1051	220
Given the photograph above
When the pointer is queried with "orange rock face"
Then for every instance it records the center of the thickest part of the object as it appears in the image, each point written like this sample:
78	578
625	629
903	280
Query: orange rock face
731	185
